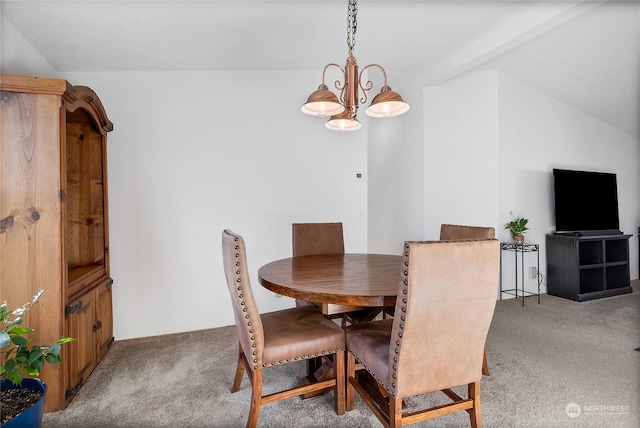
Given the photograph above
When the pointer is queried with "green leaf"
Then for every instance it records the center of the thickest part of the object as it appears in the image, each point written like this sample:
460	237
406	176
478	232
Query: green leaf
20	341
32	371
15	377
38	365
35	353
55	349
20	330
53	359
10	365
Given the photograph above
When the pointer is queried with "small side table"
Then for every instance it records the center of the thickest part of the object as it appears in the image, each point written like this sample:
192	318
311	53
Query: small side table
522	249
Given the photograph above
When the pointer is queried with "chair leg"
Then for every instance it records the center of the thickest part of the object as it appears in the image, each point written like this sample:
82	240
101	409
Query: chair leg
256	398
339	370
239	371
475	412
395	412
351	373
485	364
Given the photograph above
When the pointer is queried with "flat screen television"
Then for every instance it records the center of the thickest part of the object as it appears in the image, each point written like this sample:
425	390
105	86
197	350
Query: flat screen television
586	203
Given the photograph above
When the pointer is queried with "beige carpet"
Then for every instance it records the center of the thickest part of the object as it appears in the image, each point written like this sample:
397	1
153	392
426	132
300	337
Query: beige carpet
557	364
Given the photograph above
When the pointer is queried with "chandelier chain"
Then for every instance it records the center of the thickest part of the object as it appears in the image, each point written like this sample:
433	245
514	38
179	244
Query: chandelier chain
352	25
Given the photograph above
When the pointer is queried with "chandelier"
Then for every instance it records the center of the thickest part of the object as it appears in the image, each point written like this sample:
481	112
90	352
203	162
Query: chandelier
343	111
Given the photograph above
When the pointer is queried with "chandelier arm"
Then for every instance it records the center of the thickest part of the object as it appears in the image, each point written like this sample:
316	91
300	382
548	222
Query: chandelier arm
369	84
337	84
329	65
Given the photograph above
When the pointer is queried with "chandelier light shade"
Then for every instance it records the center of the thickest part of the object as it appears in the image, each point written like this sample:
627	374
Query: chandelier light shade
343	122
387	103
322	102
344	109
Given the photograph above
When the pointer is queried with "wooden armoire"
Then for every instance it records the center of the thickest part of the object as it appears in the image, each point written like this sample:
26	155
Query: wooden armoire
54	222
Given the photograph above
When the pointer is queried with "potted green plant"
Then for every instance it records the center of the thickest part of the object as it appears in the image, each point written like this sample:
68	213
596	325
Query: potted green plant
518	226
22	397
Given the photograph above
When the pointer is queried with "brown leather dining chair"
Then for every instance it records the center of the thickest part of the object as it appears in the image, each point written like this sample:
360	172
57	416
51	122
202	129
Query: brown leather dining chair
453	232
436	338
280	337
321	238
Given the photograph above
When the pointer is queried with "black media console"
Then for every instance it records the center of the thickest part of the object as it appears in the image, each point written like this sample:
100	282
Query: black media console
587	267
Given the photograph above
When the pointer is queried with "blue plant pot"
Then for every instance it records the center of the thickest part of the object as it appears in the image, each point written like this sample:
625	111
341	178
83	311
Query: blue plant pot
32	417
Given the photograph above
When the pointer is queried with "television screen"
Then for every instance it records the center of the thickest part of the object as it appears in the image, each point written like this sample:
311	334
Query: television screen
585	202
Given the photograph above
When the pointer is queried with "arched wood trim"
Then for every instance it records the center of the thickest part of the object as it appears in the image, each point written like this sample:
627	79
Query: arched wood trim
76	97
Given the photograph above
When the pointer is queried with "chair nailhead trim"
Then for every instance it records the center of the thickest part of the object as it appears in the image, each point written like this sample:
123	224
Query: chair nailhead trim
242	303
302	357
403	310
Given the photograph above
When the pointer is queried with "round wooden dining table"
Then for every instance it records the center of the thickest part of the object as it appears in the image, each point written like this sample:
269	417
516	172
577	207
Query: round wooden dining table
369	280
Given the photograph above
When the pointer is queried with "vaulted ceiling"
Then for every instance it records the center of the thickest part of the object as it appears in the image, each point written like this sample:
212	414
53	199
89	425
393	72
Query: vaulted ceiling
585	53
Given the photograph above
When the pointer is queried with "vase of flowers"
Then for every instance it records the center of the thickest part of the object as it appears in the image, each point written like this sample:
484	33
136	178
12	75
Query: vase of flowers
517	226
22	397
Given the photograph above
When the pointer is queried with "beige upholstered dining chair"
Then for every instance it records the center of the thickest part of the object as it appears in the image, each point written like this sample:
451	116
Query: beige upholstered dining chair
436	338
280	337
321	238
454	232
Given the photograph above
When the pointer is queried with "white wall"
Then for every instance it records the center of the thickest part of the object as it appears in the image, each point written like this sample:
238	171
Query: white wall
18	56
396	189
195	153
461	152
539	133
